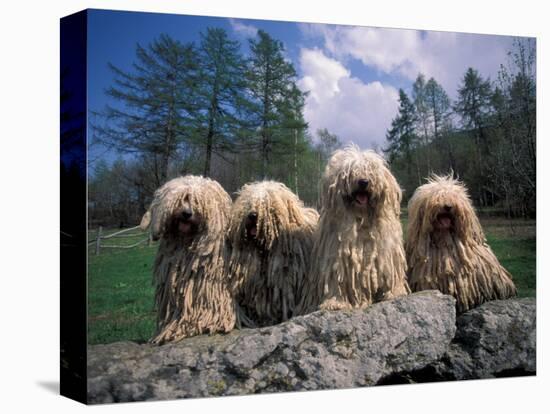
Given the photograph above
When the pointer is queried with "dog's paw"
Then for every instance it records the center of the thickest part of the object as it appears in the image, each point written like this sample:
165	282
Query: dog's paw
333	304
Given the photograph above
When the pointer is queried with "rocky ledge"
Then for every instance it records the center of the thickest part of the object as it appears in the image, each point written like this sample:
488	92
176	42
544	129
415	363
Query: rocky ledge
416	338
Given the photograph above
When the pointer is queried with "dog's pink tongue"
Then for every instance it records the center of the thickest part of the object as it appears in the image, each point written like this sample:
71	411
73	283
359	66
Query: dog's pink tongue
253	231
184	227
445	222
362	198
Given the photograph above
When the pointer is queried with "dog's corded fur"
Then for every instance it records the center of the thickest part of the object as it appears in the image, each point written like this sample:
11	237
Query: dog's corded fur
358	255
270	239
192	294
446	247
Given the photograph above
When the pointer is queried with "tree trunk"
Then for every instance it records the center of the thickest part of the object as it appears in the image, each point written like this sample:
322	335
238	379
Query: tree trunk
210	134
451	156
264	152
167	150
427	143
296	161
208	157
164	167
265	136
480	170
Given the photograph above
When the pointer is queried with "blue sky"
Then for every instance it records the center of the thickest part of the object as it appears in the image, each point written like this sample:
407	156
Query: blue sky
353	73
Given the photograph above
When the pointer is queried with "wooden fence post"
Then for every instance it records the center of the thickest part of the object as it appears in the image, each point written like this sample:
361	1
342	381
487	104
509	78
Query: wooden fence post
98	241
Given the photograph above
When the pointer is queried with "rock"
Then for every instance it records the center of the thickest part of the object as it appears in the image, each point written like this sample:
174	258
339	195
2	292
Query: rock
317	351
409	339
497	339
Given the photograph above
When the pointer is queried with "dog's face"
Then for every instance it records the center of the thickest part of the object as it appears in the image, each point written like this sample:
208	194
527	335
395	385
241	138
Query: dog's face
445	219
186	208
361	182
254	214
444	216
443	208
360	198
184	222
262	211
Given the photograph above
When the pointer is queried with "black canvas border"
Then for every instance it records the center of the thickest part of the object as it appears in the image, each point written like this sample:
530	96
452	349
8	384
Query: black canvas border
73	206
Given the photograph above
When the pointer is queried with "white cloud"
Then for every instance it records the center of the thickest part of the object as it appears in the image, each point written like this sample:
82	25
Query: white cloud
354	110
245	30
443	55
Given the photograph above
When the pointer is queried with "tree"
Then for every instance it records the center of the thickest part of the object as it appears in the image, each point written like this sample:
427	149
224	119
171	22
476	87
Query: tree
439	108
328	143
519	83
221	89
157	103
421	108
438	105
273	97
474	106
401	136
513	165
291	131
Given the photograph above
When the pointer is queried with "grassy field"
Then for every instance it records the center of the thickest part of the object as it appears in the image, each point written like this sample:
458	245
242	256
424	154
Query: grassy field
121	293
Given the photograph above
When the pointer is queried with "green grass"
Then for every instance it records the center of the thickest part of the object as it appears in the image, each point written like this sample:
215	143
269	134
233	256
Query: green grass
514	243
518	256
120	287
120	295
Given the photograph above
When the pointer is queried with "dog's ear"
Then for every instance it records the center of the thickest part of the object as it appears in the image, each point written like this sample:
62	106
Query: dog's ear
146	224
393	193
145	220
415	239
470	226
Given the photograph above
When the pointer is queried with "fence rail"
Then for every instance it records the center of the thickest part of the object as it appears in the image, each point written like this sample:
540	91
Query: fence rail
122	234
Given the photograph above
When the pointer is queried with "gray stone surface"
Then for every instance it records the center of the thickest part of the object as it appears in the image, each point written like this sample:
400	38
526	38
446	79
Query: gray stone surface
494	340
411	339
497	339
317	351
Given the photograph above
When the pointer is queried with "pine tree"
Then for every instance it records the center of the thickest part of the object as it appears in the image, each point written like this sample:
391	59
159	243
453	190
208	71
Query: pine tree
157	103
275	101
474	106
439	109
421	108
401	136
221	89
328	143
290	133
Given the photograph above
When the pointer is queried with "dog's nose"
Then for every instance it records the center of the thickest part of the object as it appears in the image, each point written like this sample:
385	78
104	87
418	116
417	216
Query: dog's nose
253	216
447	207
186	214
363	183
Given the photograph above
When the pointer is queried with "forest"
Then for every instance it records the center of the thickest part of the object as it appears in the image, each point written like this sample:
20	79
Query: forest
207	108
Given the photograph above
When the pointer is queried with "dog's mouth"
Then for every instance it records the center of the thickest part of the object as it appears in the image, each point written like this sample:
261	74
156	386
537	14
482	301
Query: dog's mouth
252	232
185	227
187	224
360	198
444	221
251	226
